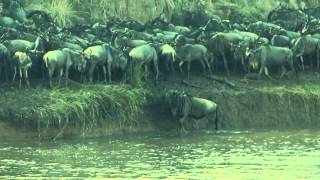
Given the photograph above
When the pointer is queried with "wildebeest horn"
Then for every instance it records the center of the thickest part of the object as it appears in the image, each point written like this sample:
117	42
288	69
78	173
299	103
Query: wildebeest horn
248	52
305	29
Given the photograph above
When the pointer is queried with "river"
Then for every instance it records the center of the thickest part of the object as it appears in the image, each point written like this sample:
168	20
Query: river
263	154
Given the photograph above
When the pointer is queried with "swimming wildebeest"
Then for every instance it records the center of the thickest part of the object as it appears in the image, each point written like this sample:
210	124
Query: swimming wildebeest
99	55
142	56
183	105
193	52
267	55
62	60
21	61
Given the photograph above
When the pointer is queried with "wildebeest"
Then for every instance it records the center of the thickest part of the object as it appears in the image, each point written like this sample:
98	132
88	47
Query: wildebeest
4	55
142	56
24	46
21	61
267	55
280	41
191	52
264	29
168	55
307	45
99	55
120	61
123	42
62	60
221	43
8	22
249	41
183	105
179	29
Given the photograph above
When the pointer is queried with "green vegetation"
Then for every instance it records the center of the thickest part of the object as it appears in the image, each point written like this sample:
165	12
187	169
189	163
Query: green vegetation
86	106
67	12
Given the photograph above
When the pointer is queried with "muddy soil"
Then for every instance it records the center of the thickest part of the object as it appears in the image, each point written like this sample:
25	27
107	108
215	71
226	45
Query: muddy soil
281	103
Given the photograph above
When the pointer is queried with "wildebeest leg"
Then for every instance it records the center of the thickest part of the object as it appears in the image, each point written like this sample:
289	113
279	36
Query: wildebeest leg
20	78
109	71
14	73
226	64
302	62
243	65
26	77
284	71
124	77
146	72
1	66
104	74
267	73
156	67
318	65
172	67
203	66
212	63
208	64
260	72
43	68
181	124
60	76
189	63
217	119
167	61
67	75
91	69
180	66
6	67
50	73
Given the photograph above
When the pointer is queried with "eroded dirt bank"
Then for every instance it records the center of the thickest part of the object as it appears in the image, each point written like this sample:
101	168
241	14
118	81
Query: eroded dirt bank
257	104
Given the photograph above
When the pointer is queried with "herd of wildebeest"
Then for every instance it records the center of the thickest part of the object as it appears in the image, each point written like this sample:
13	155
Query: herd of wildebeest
31	41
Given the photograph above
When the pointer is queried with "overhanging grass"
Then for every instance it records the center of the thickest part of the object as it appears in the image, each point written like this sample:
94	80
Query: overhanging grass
88	106
305	89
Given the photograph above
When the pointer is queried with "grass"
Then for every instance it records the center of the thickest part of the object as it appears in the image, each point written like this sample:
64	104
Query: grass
88	106
63	12
304	89
67	12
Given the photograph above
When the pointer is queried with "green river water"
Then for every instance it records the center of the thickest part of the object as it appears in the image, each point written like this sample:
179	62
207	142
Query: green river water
268	154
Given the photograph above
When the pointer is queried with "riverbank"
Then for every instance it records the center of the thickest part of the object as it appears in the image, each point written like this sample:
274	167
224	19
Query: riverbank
102	110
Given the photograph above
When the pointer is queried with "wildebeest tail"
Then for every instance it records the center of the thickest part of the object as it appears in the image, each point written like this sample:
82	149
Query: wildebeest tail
45	59
217	119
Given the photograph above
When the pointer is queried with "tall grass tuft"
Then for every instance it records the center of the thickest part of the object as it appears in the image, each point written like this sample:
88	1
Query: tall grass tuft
62	11
87	107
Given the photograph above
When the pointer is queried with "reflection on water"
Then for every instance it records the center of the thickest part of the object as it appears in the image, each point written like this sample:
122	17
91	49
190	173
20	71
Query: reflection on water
225	155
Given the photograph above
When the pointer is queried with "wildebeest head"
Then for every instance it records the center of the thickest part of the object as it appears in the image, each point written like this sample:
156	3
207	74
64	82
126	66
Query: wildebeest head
238	50
81	63
120	60
299	46
86	54
253	58
172	99
24	59
41	43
